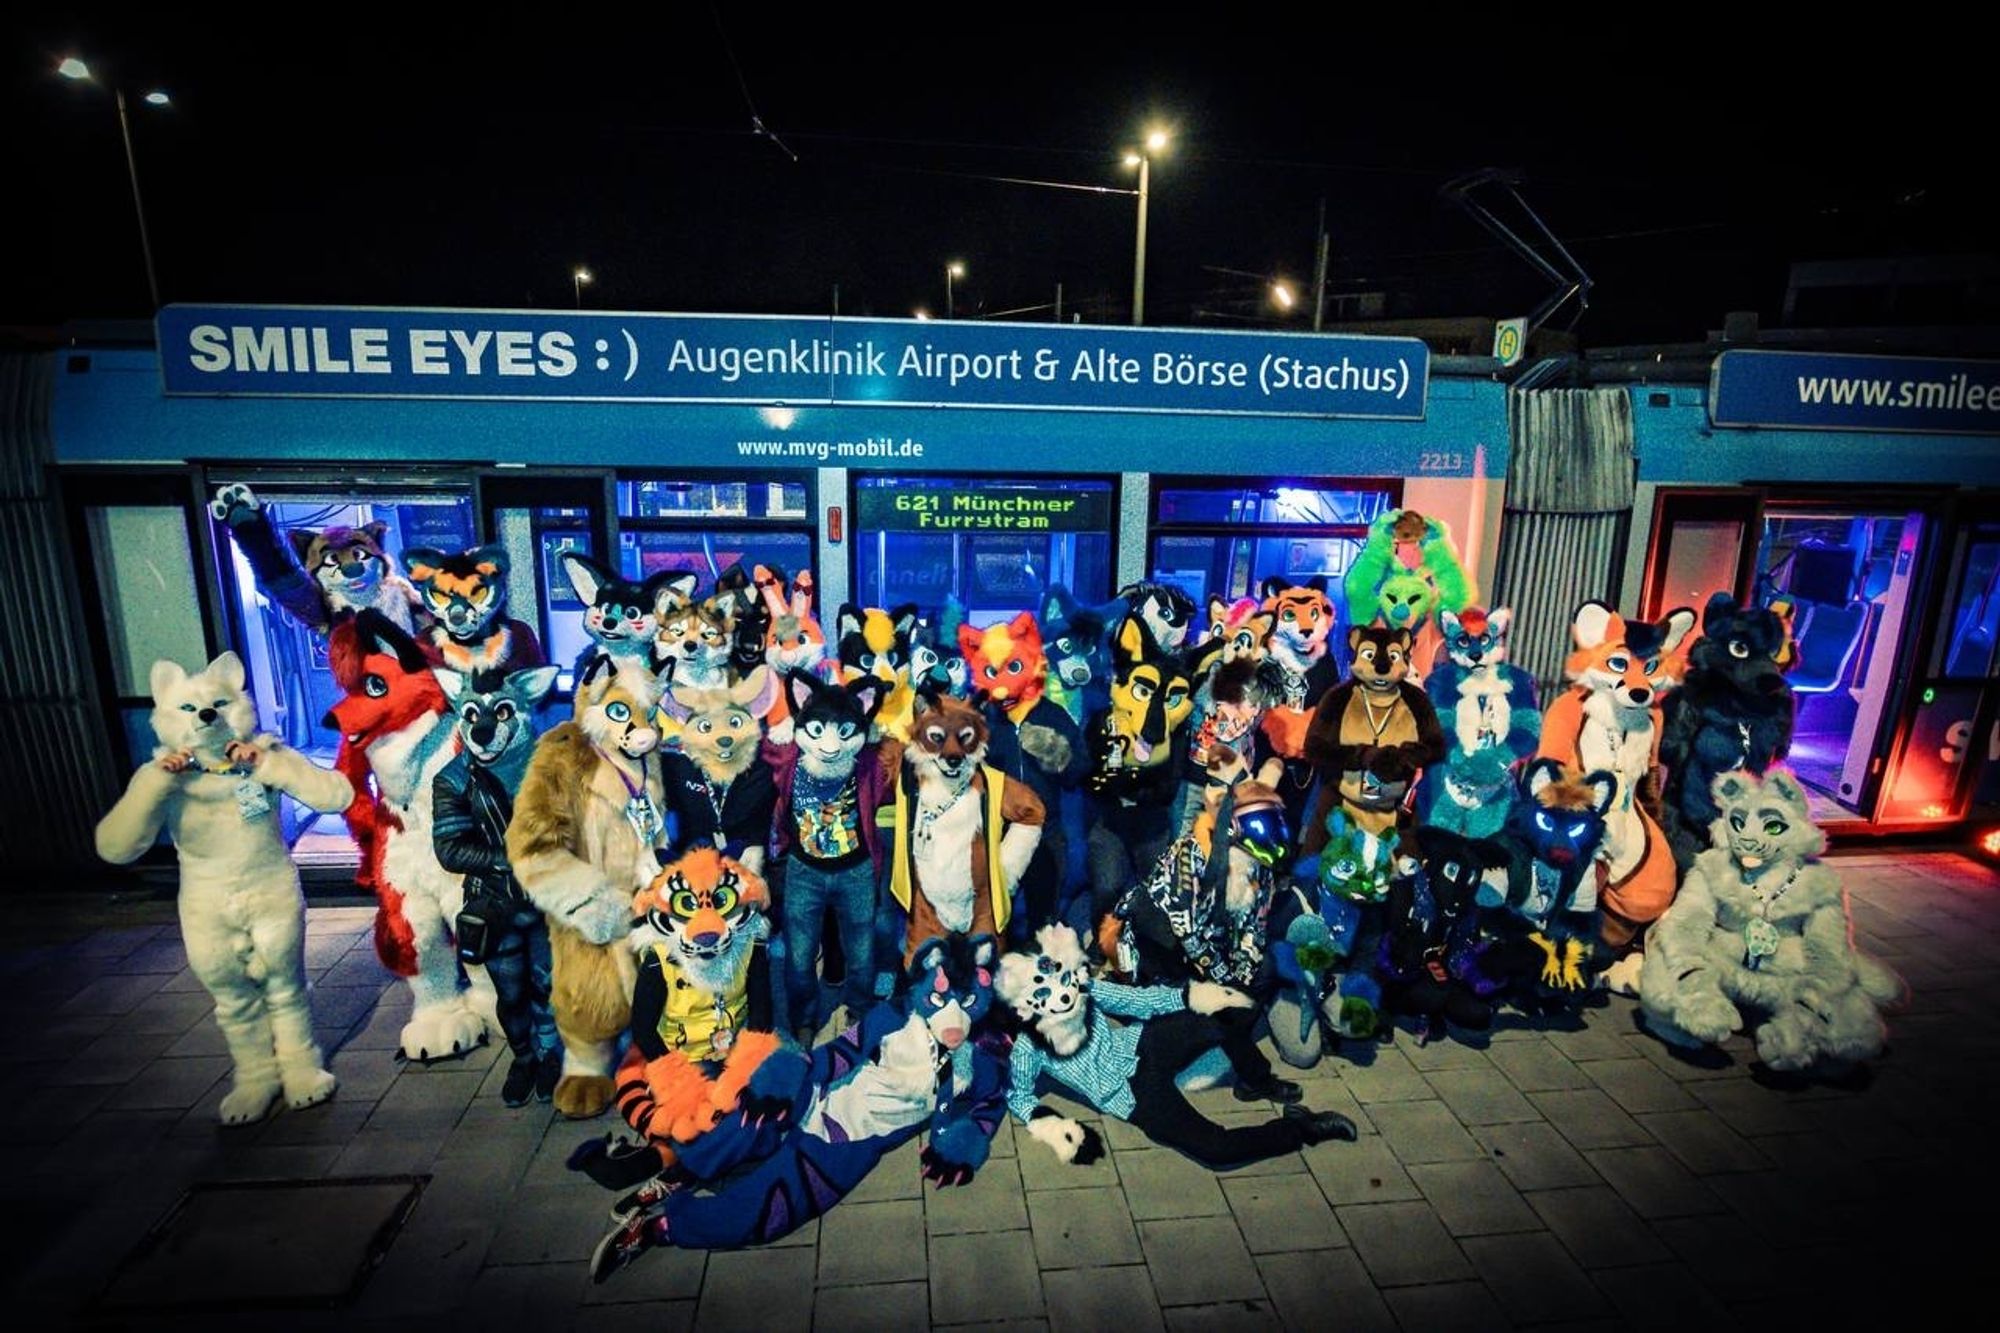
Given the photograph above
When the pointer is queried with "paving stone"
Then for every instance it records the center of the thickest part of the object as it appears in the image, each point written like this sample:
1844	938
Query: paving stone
1716	1247
994	1201
160	954
1277	1213
1474	1198
1534	1065
899	1175
1085	1300
1437	1056
1729	1062
1590	1119
1223	1317
1364	1171
168	1013
1199	1259
1703	1142
1160	1182
1598	1227
1785	1216
865	1244
1654	1182
1534	1277
1041	1169
636	1317
1448	1307
757	1291
545	1224
1535	1156
1387	1077
1089	1228
171	1084
1662	1296
1638	1086
890	1308
1750	1109
999	1326
1424	1132
523	1294
1481	1096
1318	1289
985	1277
1403	1243
1862	1131
1588	1044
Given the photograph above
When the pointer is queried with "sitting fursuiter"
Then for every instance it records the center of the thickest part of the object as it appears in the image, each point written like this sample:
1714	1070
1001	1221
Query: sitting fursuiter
1203	914
393	725
1138	751
1318	928
498	928
213	785
327	576
1405	572
877	643
1129	1071
1300	644
586	831
703	1046
1759	937
1491	723
1610	721
1371	735
467	595
1546	943
965	832
1429	960
1732	711
909	1066
622	618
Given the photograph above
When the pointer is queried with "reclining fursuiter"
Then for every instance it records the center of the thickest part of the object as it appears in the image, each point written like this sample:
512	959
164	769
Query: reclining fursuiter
1759	938
1129	1071
213	784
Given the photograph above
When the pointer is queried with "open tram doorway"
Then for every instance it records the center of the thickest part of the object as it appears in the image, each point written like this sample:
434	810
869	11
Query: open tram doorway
286	661
1851	569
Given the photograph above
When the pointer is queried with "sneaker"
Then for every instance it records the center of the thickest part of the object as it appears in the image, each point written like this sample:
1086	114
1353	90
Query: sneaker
647	1197
1320	1126
548	1072
1270	1088
521	1076
622	1244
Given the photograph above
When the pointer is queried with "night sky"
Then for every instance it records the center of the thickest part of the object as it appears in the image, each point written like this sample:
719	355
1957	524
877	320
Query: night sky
359	155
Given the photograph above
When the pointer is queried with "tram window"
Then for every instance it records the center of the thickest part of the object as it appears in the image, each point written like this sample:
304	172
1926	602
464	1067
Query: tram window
706	554
1977	616
1224	539
670	499
536	540
996	544
150	606
704	525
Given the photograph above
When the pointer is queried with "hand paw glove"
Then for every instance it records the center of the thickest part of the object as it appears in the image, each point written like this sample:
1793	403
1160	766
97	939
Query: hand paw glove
942	1173
1205	997
1551	958
1074	1143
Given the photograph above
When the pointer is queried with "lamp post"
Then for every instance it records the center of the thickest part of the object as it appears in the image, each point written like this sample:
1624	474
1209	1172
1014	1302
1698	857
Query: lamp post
578	279
1282	296
73	68
1156	140
952	271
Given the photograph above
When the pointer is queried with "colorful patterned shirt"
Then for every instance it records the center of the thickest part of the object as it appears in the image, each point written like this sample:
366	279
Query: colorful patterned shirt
1100	1071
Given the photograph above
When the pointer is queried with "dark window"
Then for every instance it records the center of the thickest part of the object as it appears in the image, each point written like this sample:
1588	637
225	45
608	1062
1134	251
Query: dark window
704	525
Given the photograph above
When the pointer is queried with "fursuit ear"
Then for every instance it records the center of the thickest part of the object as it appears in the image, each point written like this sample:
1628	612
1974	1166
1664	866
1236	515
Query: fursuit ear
379	633
533	684
302	540
1023	626
375	530
490	560
757	692
671	705
166	675
1539	774
586	576
422	563
451	682
1401	636
1013	978
1676	627
1782	783
904	618
984	951
1594	624
1355	635
1448	622
1604	787
228	669
595	666
675	592
847	621
1317	583
1721	605
1052	613
931	955
970	641
802	690
1135	642
1501	619
867	696
1735	785
1782	608
1204	654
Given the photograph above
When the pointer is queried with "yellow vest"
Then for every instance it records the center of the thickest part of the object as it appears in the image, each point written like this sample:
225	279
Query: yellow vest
900	876
699	1026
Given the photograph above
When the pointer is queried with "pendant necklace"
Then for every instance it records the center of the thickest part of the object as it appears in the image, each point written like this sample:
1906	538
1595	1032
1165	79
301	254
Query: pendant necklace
640	812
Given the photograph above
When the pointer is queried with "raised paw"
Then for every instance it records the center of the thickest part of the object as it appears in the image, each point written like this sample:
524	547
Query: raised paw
234	503
441	1032
247	1103
308	1087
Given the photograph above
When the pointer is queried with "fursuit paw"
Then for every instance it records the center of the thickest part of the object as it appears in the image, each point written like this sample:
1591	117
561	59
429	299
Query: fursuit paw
583	1096
441	1032
757	1112
308	1086
235	504
1709	1019
1071	1142
1205	997
942	1173
1622	977
248	1103
1046	746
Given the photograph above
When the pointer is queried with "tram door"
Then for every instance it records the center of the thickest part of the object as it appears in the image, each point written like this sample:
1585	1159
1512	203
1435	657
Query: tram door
1851	570
537	519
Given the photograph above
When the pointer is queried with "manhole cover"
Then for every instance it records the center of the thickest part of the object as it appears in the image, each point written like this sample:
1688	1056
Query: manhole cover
265	1243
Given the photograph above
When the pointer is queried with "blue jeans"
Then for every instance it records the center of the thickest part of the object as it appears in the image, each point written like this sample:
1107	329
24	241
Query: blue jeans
809	891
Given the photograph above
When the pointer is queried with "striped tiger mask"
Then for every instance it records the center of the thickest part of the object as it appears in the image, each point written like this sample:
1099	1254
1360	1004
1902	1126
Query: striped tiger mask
706	908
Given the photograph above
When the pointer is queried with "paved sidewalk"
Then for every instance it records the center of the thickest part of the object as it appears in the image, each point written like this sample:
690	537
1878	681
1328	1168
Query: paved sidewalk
1557	1178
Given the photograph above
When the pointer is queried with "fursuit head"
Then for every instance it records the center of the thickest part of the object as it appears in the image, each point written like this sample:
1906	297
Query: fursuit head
353	570
615	703
1152	695
830	722
794	641
707	911
496	712
720	727
620	616
874	642
1167	611
466	592
697	638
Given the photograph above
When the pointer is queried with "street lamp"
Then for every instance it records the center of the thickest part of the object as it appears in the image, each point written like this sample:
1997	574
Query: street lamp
1281	293
921	313
73	68
578	280
1156	141
952	270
